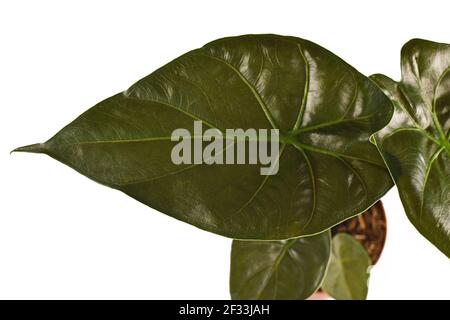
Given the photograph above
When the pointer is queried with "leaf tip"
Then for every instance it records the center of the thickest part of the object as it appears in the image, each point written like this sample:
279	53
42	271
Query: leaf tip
33	148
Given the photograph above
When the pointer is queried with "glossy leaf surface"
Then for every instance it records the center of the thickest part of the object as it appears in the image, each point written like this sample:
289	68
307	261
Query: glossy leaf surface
415	144
288	269
325	111
348	271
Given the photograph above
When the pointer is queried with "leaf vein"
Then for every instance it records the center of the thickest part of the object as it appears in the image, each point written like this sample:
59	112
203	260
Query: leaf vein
425	181
247	83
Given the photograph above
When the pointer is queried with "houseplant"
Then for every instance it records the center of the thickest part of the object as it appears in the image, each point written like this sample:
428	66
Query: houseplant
326	115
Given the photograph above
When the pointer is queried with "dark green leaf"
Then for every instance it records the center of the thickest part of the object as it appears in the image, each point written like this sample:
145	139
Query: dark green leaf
348	271
289	269
415	144
325	111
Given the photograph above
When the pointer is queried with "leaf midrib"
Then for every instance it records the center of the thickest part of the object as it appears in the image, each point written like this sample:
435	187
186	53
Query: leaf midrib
436	122
286	246
441	140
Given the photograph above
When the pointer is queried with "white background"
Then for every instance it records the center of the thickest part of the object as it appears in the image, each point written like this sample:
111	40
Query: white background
64	236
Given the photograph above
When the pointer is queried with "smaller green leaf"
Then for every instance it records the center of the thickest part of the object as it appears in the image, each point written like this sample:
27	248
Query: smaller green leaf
348	271
288	269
